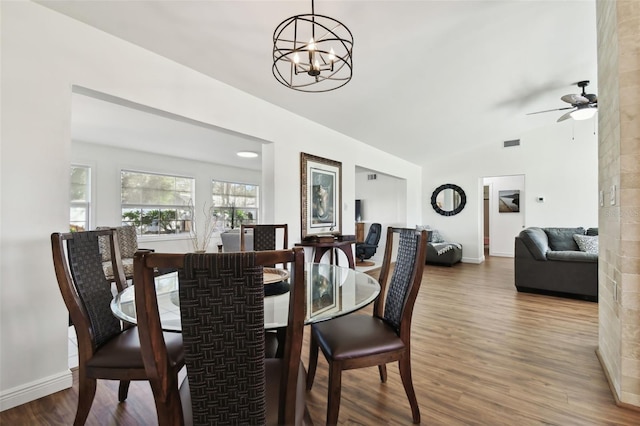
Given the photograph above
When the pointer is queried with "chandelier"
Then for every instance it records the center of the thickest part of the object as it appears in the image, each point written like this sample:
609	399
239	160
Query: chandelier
312	53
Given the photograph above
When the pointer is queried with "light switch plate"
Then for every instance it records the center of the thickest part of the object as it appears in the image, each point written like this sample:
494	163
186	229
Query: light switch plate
612	195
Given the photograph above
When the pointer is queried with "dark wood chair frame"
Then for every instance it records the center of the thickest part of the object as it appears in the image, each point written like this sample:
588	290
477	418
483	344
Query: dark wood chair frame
164	380
275	338
403	355
86	335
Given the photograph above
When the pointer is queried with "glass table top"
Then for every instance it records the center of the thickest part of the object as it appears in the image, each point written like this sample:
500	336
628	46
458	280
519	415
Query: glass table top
331	291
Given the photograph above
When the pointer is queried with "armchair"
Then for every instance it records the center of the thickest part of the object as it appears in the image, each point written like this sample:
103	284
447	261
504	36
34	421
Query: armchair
368	248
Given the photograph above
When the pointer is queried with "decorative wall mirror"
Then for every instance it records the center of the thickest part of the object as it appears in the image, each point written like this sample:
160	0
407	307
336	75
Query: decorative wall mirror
448	199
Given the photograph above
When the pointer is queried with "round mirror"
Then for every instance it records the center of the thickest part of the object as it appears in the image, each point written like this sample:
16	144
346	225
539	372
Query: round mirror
448	199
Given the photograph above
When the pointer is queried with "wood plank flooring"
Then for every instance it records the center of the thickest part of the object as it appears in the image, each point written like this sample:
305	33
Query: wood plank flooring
483	354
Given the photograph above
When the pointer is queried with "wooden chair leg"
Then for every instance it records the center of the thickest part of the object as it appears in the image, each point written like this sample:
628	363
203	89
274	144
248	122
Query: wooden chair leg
123	390
282	340
335	389
405	374
383	372
86	393
313	361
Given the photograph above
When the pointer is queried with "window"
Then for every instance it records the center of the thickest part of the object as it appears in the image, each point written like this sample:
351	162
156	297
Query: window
156	204
80	198
235	204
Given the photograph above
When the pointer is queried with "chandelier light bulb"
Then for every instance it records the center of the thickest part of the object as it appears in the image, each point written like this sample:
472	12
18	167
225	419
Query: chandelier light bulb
332	55
312	44
296	58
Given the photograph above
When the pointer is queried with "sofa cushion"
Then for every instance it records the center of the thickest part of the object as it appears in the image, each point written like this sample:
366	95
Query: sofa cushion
535	239
587	243
561	239
572	256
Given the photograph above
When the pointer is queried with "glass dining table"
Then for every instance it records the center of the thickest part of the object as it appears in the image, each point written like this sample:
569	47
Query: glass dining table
331	291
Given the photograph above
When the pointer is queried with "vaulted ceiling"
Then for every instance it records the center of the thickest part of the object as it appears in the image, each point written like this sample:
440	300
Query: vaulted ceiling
430	77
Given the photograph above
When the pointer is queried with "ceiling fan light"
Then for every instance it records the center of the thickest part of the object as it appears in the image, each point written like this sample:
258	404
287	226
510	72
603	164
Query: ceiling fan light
583	113
247	154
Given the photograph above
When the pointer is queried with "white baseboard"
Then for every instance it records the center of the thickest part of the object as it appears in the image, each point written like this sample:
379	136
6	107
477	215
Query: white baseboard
31	391
499	254
472	260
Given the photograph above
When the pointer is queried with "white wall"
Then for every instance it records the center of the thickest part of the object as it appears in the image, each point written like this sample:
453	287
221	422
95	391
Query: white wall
44	54
562	169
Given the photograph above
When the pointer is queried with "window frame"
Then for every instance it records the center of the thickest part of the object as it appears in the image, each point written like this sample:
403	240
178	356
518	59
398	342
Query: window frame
230	209
87	205
183	233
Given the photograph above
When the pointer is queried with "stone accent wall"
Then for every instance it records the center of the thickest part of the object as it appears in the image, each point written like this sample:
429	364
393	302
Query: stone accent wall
618	24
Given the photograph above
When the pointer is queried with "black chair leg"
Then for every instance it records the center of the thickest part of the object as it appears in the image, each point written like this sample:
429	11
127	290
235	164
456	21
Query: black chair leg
123	390
313	361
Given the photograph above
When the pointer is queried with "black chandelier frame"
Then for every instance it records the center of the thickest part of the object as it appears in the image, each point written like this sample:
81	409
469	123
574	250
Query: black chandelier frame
312	66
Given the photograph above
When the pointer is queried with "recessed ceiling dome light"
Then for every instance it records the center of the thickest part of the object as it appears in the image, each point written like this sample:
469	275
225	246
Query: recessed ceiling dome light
247	154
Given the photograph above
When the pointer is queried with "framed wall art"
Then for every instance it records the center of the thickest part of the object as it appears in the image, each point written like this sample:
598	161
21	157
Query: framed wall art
509	201
320	196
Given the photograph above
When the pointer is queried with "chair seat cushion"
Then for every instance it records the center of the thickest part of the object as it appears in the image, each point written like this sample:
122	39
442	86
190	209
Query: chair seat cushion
127	265
123	351
354	336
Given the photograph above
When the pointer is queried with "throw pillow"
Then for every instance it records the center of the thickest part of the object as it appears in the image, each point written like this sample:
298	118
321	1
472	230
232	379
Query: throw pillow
587	243
425	228
561	239
436	237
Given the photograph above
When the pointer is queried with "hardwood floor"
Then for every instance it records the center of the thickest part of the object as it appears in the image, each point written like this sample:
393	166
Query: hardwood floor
483	354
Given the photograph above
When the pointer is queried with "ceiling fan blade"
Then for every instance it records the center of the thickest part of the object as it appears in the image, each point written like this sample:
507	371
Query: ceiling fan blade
565	116
548	110
575	99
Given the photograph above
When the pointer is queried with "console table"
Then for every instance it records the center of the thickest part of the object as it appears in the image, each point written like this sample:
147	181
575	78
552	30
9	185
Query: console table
321	247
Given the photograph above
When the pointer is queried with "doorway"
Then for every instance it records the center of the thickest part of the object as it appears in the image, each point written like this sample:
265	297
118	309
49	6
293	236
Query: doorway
504	213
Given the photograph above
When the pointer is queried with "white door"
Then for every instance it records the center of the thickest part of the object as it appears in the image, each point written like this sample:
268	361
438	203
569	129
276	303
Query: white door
506	213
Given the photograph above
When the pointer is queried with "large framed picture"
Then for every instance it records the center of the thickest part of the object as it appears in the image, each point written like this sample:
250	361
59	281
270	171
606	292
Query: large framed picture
320	196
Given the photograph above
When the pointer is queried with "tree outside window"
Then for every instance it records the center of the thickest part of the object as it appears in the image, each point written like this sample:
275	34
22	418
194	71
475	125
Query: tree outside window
156	204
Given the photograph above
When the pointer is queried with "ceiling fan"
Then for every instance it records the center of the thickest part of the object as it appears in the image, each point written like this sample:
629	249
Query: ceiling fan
583	106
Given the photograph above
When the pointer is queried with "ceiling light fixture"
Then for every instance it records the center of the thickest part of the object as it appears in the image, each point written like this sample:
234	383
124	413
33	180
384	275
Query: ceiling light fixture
247	154
583	113
312	53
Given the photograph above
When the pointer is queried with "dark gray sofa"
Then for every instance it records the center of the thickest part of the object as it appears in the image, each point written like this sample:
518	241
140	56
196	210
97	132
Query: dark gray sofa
548	261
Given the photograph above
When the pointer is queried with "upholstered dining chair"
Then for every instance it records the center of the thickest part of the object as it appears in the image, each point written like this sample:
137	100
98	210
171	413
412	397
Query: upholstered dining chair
229	380
357	340
106	348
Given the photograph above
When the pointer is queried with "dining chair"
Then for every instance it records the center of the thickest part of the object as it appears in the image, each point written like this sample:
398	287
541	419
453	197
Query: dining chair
229	380
357	341
107	349
265	237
